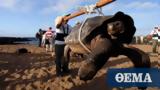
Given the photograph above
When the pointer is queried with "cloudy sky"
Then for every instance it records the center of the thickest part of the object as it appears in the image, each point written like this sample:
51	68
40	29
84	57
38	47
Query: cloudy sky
25	17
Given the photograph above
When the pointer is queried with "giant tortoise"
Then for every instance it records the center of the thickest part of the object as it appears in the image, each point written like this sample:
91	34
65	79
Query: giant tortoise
102	37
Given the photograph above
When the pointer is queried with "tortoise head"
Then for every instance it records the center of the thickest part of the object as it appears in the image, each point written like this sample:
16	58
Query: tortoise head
115	28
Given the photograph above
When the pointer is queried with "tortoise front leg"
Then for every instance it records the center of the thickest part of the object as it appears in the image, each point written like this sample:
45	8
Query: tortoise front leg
96	59
137	56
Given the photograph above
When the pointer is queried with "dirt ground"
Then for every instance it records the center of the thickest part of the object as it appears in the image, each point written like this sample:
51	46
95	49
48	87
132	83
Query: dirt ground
36	70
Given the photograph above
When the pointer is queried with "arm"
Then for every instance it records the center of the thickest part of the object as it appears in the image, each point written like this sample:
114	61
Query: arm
58	25
58	21
37	35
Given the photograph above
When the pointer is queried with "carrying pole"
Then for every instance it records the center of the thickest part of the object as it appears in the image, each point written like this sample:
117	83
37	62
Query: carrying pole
99	4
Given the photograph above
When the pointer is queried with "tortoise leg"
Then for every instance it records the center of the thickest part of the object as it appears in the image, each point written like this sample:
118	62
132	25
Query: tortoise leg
96	59
66	59
137	56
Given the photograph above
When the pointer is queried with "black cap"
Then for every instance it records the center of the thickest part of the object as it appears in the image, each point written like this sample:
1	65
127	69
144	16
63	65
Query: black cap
50	27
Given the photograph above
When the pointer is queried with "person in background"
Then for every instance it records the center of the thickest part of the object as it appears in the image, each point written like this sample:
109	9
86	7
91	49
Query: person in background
62	30
48	36
155	36
39	37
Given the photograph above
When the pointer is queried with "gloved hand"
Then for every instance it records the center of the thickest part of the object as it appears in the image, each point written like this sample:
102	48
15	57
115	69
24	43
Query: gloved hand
90	8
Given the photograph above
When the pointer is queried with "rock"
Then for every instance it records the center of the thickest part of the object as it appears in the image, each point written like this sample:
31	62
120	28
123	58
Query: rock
29	76
18	87
17	76
32	71
26	71
24	77
22	51
3	72
29	87
36	84
9	79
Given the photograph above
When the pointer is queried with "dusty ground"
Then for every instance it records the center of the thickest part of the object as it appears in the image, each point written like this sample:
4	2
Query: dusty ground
36	70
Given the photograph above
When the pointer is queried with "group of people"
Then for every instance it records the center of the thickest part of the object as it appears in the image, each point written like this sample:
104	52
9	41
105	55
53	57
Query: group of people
46	39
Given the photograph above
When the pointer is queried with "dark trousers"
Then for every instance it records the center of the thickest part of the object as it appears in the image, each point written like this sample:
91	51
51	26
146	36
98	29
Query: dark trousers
40	41
61	65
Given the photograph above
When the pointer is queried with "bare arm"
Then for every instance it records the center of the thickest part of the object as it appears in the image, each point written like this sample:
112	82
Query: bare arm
58	22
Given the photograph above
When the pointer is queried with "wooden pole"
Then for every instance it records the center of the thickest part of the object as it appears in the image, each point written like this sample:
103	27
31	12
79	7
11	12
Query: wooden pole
99	4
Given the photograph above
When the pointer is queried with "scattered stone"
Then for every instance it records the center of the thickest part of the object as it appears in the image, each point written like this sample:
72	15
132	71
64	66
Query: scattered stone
37	83
22	51
17	76
9	79
29	87
24	77
3	72
26	72
29	76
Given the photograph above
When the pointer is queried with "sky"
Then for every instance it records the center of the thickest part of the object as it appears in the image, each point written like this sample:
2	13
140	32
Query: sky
23	18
